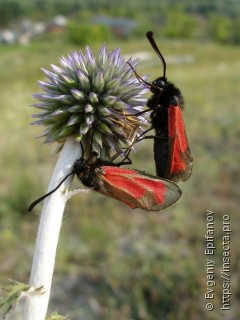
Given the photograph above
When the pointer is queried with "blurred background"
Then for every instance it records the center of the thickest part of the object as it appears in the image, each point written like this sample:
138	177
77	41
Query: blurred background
113	262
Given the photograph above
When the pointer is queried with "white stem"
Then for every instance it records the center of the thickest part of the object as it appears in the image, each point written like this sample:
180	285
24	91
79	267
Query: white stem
48	233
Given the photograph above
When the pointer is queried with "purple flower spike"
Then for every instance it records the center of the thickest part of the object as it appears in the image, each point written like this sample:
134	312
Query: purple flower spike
92	99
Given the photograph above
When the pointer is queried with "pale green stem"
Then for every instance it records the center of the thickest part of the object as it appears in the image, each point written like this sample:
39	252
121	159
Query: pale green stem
48	233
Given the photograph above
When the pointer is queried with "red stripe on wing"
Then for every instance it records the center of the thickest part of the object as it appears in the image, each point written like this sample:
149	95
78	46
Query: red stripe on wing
154	185
180	161
137	189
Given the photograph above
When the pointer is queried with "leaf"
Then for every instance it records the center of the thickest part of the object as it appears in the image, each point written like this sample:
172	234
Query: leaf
13	293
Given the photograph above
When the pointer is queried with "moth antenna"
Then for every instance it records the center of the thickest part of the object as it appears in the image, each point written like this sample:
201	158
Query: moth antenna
82	150
149	35
49	193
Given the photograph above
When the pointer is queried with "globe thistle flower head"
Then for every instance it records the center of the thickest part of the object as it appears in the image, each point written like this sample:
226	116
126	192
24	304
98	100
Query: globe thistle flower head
93	100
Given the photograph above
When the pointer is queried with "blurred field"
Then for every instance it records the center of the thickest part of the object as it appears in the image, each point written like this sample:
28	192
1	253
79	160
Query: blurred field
112	262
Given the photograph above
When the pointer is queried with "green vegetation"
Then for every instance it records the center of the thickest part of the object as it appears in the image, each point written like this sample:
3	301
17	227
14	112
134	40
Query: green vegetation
80	34
112	262
217	20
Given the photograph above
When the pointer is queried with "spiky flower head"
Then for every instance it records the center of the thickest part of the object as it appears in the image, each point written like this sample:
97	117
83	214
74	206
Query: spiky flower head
91	98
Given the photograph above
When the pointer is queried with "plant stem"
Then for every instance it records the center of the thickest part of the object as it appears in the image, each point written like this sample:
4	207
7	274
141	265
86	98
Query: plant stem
48	233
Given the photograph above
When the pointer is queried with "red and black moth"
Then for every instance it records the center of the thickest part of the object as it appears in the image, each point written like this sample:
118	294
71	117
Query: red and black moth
135	188
172	155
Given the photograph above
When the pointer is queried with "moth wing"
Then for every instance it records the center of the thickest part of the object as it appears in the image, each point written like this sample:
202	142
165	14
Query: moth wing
180	161
137	189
